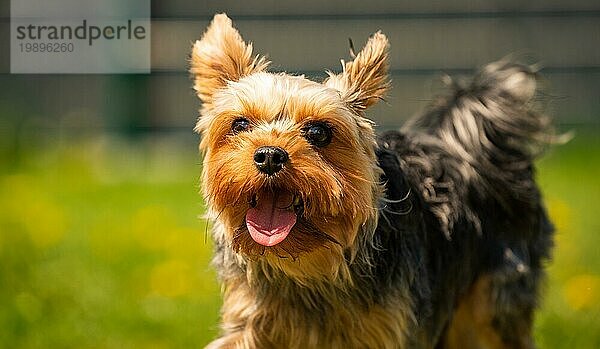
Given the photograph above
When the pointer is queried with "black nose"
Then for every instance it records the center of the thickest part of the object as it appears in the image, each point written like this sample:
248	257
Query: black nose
270	159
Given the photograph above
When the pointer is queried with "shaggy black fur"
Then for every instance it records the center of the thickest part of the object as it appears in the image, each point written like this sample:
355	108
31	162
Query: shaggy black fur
461	202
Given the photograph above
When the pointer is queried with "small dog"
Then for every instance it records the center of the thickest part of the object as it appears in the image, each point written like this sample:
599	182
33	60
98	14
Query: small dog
328	236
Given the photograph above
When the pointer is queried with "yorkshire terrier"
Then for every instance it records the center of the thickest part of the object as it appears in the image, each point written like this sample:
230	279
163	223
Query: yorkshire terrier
328	236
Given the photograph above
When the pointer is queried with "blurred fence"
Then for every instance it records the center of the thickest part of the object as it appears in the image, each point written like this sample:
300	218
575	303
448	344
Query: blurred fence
427	39
100	244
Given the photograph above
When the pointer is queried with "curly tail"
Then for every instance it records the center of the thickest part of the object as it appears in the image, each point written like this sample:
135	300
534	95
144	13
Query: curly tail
491	124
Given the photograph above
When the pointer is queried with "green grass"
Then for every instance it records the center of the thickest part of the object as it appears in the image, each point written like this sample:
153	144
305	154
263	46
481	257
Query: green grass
101	246
570	179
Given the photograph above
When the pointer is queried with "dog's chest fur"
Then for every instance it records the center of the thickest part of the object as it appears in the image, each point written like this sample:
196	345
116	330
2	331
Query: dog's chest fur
281	314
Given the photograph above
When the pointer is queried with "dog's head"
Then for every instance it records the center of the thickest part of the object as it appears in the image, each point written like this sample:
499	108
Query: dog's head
289	167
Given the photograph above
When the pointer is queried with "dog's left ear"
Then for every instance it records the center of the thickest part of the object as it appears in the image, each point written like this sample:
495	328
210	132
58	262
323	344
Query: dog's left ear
364	81
221	55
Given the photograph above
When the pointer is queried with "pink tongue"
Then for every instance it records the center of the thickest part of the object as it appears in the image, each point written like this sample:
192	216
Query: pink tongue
272	219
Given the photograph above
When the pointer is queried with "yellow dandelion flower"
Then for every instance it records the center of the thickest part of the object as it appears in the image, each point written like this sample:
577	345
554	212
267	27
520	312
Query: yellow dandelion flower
27	206
46	223
150	224
187	244
172	278
560	213
582	291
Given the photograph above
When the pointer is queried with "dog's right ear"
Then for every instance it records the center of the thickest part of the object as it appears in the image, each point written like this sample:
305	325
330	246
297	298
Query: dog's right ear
221	55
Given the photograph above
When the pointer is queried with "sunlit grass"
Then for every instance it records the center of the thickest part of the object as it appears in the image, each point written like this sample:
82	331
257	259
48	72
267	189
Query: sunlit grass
101	246
570	178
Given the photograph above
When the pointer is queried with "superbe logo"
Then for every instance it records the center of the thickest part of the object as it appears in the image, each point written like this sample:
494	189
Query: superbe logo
90	33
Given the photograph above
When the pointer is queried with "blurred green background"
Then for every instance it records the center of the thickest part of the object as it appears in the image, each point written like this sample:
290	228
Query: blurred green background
102	244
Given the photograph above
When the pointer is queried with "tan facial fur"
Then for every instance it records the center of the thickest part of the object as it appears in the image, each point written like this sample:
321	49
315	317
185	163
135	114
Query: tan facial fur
292	177
337	184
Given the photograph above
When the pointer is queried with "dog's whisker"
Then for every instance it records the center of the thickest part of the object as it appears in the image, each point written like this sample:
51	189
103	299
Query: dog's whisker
397	201
206	223
220	212
387	220
399	213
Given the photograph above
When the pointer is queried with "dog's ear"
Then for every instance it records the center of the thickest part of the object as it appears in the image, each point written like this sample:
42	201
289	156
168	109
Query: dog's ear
364	80
221	55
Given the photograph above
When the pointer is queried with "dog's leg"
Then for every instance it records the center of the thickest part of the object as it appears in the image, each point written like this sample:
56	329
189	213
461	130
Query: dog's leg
479	321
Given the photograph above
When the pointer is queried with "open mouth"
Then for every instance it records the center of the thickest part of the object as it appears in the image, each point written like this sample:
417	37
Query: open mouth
272	215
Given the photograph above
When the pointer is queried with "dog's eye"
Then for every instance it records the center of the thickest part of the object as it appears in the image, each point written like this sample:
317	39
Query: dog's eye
240	125
318	134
